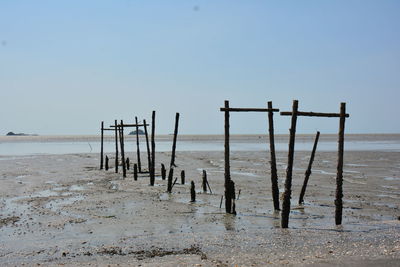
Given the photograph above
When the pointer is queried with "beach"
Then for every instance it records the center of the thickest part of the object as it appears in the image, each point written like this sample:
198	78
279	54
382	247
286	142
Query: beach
60	209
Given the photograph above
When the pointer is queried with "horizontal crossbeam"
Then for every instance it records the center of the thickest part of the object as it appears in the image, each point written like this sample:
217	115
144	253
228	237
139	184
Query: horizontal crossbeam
250	109
128	125
313	114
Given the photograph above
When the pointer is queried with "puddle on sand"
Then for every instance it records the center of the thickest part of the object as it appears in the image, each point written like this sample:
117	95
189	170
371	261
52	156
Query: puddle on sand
391	178
76	188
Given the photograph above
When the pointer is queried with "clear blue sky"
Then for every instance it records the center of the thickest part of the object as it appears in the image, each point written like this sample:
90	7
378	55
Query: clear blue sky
67	65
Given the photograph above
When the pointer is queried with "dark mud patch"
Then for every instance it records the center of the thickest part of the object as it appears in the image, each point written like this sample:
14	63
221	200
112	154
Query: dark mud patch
9	220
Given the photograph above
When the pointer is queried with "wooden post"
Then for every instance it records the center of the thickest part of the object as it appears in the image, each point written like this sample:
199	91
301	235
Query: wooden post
163	171
147	145
228	199
128	164
183	177
232	195
274	174
106	166
174	142
204	183
101	145
339	175
308	171
153	147
288	181
170	177
135	172
137	145
192	192
121	139
116	146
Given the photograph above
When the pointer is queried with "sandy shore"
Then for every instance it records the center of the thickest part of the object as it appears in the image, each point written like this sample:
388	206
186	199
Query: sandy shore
63	210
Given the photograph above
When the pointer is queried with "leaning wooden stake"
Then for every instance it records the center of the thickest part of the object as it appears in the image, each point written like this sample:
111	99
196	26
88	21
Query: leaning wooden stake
106	165
101	145
170	176
153	148
116	146
163	171
121	139
274	174
183	177
137	145
147	145
172	164
308	171
339	175
192	192
204	183
228	198
289	169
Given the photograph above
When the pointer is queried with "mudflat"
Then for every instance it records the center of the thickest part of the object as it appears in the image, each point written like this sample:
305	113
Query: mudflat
63	210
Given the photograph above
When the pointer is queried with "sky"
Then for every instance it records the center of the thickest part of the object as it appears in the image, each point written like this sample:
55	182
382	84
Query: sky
65	66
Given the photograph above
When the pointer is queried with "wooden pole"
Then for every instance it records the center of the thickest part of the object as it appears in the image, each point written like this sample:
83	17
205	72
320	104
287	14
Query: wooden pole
137	145
101	145
174	142
204	183
121	139
183	177
147	145
288	181
153	147
170	177
106	166
116	146
192	192
128	164
228	199
339	175
274	173
308	171
135	172
163	171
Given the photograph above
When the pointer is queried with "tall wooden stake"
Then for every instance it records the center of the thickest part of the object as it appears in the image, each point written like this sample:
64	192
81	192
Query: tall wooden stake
147	145
137	145
121	139
228	198
116	146
288	181
153	147
339	175
106	166
170	177
174	142
308	171
204	183
101	145
274	174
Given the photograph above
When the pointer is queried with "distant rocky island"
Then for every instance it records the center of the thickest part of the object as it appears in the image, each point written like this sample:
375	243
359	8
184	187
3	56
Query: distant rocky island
134	132
19	134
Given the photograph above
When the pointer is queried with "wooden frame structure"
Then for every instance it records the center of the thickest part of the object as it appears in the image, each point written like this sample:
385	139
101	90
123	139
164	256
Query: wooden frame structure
339	175
229	185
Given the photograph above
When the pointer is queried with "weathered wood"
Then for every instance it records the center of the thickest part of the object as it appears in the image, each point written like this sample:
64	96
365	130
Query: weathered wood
274	173
228	199
192	192
314	114
128	163
170	176
183	177
220	203
238	194
204	183
233	197
121	138
339	174
135	172
172	164
130	125
153	148
249	109
209	188
147	146
106	165
173	184
163	171
308	171
106	129
101	145
116	147
289	169
137	146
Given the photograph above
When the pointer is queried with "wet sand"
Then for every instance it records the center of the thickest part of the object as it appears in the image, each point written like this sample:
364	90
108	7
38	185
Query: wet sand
63	210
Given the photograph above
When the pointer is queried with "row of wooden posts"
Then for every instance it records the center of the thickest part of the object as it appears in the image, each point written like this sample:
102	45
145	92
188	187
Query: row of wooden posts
229	184
229	194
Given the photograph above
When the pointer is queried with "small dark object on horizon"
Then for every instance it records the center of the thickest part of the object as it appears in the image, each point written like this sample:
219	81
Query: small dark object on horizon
140	132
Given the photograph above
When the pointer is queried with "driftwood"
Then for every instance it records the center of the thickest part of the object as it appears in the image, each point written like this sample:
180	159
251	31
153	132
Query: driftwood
170	177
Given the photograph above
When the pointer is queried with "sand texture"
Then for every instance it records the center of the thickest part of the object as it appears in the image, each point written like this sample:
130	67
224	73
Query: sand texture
63	210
